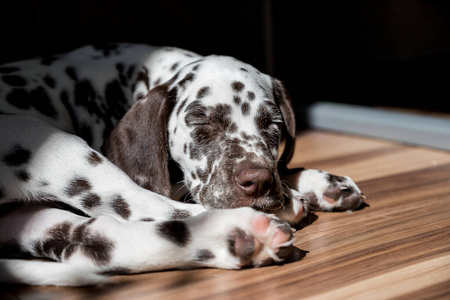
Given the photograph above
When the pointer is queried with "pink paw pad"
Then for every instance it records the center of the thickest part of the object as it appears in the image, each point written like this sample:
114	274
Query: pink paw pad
269	240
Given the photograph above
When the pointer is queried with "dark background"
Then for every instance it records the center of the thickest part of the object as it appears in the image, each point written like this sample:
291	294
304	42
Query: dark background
369	52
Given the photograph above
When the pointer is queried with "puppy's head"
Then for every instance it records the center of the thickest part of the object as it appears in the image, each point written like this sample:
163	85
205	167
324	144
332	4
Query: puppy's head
221	121
225	130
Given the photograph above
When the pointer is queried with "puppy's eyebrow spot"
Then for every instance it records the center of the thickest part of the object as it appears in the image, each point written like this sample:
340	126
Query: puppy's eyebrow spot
237	86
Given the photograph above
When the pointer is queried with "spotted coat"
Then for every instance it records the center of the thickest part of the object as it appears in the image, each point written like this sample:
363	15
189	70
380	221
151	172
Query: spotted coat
95	141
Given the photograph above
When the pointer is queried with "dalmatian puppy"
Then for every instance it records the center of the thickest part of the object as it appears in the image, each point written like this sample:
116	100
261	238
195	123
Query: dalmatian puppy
101	145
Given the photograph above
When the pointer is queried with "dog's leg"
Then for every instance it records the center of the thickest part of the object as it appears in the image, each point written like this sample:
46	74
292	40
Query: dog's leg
325	191
227	239
41	163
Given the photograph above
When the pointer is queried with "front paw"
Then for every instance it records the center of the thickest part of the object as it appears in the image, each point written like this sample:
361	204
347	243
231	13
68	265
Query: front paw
295	208
328	192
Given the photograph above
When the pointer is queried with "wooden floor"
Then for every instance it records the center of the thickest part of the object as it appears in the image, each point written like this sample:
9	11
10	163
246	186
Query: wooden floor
398	248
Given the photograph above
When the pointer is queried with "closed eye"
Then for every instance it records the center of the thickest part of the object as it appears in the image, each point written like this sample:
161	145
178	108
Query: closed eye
275	125
200	123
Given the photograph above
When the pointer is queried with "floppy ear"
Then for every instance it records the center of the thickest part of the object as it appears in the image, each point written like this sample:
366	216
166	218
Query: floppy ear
138	144
285	105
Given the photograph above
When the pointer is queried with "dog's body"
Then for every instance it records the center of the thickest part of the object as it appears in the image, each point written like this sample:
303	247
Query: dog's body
92	139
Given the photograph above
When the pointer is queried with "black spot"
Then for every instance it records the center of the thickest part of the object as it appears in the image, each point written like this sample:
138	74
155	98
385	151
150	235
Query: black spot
188	78
119	67
233	127
174	66
85	97
196	67
70	71
122	78
14	80
245	108
204	255
130	71
23	175
18	156
175	231
251	96
6	70
49	81
19	98
243	69
237	86
94	158
41	101
121	207
237	100
204	91
185	149
91	200
58	239
95	246
115	98
77	186
179	214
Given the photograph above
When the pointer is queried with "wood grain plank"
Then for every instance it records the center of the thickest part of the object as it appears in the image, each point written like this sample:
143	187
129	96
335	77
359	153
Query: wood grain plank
362	158
412	278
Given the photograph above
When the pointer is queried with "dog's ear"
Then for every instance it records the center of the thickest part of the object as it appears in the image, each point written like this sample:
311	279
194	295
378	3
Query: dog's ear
284	103
138	144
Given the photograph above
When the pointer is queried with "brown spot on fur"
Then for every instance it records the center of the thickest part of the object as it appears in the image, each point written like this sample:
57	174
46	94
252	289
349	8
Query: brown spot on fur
77	186
94	159
121	207
23	175
188	78
204	255
245	108
57	241
251	96
93	245
91	200
204	91
174	66
237	86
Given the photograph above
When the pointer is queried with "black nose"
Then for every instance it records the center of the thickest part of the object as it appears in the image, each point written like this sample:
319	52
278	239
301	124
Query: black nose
255	182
